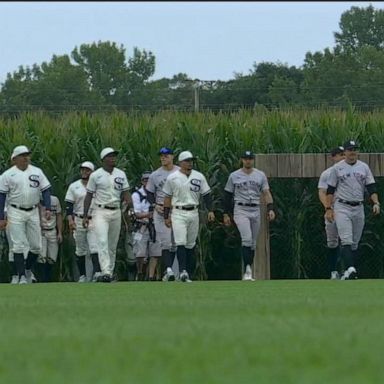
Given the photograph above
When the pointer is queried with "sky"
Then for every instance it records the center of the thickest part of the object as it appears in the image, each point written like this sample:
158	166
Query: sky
205	40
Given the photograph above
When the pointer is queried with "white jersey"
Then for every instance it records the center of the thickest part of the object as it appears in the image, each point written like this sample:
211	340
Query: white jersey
186	190
76	194
107	187
247	188
23	188
55	209
156	182
350	180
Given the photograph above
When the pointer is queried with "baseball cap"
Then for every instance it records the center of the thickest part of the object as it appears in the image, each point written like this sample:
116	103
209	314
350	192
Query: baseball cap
165	151
107	151
186	155
336	151
350	144
145	175
19	150
248	155
87	164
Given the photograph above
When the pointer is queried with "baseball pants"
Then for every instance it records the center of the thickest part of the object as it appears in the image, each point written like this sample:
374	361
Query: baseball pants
185	225
332	234
50	247
107	224
247	220
350	223
24	230
163	233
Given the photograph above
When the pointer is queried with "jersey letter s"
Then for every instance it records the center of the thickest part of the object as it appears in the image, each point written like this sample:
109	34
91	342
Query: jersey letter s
34	179
196	185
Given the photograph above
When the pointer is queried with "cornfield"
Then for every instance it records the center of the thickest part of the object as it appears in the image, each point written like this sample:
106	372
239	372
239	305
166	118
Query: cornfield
60	143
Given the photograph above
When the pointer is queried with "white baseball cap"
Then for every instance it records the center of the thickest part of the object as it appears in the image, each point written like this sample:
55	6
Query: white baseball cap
87	164
186	155
107	151
19	150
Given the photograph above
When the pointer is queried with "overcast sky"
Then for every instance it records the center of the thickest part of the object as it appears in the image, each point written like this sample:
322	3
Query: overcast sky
205	40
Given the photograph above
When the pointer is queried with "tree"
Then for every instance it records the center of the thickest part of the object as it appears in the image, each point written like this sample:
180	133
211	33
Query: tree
360	27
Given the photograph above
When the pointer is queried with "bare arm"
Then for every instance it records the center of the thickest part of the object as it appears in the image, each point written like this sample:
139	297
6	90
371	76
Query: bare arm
323	197
59	227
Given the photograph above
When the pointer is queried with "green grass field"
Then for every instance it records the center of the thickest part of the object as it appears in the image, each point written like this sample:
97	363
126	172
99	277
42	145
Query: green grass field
303	331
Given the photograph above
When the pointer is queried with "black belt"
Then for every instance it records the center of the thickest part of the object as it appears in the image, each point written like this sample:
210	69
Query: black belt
106	207
22	208
247	204
82	216
186	207
48	229
351	203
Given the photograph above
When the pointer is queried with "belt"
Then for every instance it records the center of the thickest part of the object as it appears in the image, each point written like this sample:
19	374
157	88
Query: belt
106	207
48	229
351	203
82	216
22	208
247	204
186	207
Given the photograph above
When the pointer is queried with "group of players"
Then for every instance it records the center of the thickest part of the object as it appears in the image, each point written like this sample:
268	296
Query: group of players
166	214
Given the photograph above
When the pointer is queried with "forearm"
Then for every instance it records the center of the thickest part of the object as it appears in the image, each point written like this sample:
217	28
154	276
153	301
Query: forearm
323	197
3	197
87	203
59	223
47	199
167	206
228	196
208	201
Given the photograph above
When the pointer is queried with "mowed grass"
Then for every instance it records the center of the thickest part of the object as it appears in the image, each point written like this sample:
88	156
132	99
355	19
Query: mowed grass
306	331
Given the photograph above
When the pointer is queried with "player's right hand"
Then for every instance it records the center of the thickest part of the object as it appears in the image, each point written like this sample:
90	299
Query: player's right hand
226	220
159	209
329	215
3	224
85	222
168	222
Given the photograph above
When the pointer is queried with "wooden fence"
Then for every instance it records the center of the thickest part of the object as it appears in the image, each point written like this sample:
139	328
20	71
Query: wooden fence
295	165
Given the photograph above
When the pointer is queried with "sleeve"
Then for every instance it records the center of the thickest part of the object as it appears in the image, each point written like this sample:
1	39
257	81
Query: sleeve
369	179
167	187
91	185
150	187
4	186
44	182
229	187
136	202
322	184
264	182
205	188
125	182
332	179
69	196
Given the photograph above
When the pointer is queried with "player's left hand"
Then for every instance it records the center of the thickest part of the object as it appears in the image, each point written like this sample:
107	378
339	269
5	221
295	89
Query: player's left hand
48	214
376	209
271	215
211	216
59	238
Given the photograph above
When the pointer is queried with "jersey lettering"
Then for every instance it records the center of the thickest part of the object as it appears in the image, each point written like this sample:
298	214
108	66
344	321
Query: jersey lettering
34	179
119	181
196	185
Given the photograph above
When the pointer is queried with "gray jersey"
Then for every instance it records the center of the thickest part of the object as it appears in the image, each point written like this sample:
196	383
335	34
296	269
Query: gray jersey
247	188
323	180
350	180
156	182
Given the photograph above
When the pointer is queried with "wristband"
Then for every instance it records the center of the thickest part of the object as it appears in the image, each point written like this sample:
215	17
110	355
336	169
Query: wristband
270	207
166	212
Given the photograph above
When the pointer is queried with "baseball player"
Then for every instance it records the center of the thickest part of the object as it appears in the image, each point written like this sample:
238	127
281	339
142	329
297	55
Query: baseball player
245	187
85	238
145	243
21	185
155	196
337	154
52	236
182	190
346	186
109	185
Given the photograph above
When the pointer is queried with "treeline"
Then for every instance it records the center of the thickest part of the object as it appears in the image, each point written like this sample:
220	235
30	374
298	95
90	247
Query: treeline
100	77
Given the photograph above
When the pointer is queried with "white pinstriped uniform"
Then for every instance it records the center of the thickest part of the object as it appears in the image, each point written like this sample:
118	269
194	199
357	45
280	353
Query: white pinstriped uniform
107	189
23	190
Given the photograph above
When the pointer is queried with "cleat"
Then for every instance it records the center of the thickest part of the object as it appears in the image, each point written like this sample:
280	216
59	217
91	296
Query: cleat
28	276
23	280
184	277
349	274
169	275
248	274
82	279
15	279
335	275
96	277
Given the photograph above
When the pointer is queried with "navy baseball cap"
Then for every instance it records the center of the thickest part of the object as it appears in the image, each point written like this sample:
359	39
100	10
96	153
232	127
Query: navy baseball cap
145	175
248	155
351	145
337	150
165	151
